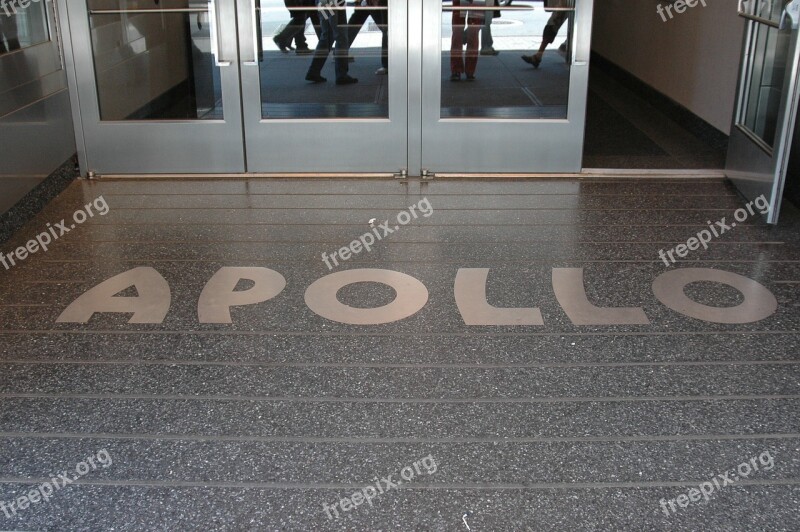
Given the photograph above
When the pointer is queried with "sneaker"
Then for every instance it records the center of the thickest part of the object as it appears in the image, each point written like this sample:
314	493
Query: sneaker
470	77
455	77
489	51
563	48
316	78
532	60
347	80
382	71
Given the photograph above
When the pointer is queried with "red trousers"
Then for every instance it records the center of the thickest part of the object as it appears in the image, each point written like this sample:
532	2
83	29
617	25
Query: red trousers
473	22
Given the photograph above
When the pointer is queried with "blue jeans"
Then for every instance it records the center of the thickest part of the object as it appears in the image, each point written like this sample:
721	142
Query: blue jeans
333	35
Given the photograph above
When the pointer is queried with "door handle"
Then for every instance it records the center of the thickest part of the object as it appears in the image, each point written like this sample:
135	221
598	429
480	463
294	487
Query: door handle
255	10
213	28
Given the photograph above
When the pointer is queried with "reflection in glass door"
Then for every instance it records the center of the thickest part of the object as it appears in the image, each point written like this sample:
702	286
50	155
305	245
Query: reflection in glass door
504	87
767	100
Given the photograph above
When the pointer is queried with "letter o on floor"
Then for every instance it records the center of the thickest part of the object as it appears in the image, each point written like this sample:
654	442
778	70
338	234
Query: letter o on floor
759	302
411	297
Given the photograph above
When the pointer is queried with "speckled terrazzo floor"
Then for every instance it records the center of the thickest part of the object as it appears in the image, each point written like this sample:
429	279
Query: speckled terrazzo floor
257	424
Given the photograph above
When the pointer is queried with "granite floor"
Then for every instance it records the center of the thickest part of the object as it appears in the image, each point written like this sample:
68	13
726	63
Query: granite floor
284	419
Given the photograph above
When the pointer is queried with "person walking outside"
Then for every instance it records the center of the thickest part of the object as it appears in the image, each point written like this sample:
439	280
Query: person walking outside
461	63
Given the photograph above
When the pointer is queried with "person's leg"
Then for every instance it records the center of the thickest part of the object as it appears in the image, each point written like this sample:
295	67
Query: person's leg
356	22
551	31
457	43
342	47
284	39
313	14
549	36
322	51
473	44
300	41
487	41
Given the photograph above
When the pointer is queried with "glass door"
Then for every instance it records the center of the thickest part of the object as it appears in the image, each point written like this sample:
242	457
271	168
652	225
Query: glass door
767	100
158	85
504	87
338	106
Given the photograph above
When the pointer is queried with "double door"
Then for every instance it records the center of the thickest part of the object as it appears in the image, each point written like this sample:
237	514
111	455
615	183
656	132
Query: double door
191	86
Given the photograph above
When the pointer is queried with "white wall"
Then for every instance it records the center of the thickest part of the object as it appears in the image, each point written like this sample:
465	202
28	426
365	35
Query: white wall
693	58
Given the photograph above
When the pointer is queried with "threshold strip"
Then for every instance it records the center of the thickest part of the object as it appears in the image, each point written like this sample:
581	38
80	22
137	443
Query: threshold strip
498	400
403	440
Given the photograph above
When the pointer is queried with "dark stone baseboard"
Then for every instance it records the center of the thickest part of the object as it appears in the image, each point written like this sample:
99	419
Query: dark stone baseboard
34	201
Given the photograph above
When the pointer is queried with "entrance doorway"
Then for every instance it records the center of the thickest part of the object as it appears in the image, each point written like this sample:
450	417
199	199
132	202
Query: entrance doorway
188	87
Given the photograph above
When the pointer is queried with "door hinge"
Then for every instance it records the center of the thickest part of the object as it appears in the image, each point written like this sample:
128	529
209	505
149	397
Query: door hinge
426	174
402	174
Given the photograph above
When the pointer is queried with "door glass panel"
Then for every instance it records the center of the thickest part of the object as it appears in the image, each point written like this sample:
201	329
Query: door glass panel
510	62
22	27
291	58
152	63
766	72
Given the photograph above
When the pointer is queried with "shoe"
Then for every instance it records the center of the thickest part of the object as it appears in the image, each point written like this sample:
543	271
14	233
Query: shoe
347	80
283	47
455	77
470	77
304	51
316	78
489	51
532	60
382	71
563	48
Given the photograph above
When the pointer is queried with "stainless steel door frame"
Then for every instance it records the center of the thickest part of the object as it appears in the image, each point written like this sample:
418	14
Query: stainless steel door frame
755	167
163	146
485	145
316	145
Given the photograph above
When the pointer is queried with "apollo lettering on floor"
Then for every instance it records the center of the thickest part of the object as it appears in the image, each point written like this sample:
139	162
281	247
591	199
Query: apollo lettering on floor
154	298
